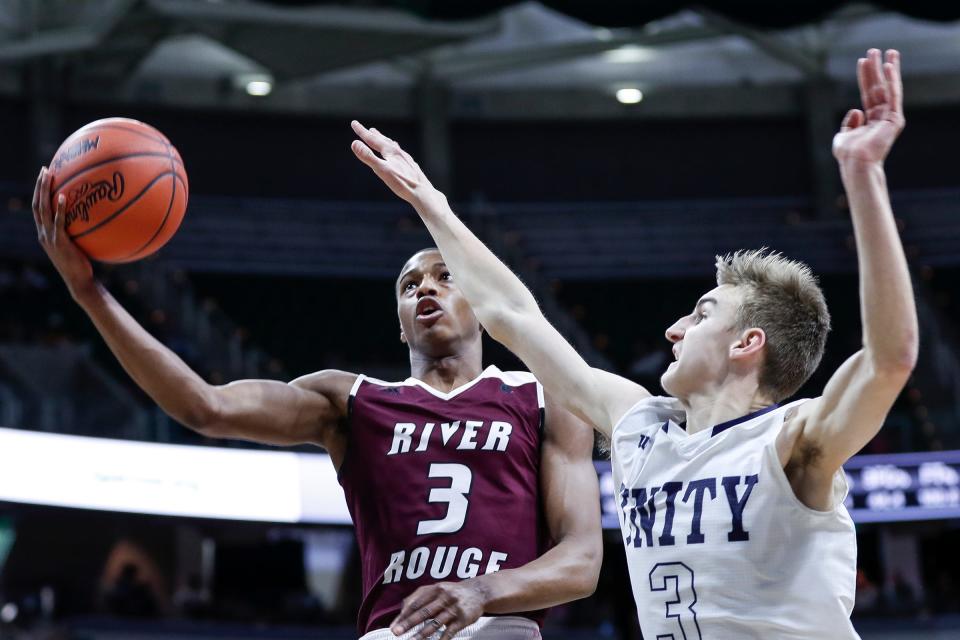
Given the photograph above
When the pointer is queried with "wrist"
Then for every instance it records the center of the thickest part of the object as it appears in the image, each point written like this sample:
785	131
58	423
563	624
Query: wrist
85	293
431	203
484	590
854	165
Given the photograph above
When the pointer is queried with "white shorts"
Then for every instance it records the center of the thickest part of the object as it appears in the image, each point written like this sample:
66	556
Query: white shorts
486	628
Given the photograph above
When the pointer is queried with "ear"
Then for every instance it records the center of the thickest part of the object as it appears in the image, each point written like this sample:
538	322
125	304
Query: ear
750	345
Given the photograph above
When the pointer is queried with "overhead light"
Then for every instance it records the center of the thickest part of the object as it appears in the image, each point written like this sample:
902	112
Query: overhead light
254	84
9	613
629	95
259	87
628	54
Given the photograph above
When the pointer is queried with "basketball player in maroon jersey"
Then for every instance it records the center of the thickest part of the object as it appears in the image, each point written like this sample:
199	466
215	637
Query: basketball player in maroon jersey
458	479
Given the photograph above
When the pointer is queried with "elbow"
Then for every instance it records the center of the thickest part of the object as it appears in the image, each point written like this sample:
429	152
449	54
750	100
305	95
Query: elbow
586	572
202	414
898	362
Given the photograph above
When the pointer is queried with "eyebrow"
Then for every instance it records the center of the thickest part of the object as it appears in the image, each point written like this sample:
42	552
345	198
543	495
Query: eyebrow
704	301
409	271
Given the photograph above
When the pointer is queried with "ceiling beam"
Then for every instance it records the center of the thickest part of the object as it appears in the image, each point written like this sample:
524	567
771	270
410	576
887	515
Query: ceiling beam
773	46
468	66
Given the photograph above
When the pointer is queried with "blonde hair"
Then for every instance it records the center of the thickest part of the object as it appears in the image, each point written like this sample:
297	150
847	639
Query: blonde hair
782	298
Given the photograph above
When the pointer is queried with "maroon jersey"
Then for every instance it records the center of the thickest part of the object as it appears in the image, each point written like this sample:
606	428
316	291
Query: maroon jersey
442	486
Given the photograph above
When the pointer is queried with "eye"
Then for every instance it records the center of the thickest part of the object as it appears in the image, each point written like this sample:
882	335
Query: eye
408	285
446	275
699	315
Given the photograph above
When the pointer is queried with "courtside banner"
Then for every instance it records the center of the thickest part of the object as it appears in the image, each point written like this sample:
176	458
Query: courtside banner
175	480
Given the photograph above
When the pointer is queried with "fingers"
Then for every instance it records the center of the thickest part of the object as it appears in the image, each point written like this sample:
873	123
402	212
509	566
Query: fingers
432	609
45	216
367	156
59	218
35	206
416	609
852	120
452	629
374	139
875	68
891	72
864	83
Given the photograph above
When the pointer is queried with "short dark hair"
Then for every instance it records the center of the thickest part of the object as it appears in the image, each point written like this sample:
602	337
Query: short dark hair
396	282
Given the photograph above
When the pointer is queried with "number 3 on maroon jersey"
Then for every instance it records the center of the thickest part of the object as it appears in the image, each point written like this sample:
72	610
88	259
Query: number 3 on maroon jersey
455	496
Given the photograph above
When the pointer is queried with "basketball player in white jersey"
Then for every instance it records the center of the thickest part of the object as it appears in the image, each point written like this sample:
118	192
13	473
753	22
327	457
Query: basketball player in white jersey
731	506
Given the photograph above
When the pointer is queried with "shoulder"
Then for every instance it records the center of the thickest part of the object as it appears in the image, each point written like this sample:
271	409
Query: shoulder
333	384
513	378
650	411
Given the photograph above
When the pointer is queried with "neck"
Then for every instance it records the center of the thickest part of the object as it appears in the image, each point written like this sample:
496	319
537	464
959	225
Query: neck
729	402
446	372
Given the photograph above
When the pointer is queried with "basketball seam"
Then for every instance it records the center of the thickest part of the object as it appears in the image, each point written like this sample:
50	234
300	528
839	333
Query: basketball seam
142	154
124	207
163	223
135	256
136	132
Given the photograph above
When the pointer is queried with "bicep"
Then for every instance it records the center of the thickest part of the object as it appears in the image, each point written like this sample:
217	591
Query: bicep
851	411
278	413
596	396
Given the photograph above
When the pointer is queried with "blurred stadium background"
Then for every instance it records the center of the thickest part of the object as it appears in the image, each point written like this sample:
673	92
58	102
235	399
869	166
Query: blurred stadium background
607	150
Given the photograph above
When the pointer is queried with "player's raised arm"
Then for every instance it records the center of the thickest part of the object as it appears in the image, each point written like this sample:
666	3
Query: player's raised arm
267	411
855	402
504	306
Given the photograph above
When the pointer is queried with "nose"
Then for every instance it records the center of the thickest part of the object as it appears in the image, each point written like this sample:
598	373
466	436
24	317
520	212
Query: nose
428	287
676	331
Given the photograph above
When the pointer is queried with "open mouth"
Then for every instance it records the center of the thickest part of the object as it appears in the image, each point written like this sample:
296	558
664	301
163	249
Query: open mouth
428	309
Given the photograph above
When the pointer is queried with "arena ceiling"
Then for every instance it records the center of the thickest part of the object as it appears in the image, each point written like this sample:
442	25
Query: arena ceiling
429	59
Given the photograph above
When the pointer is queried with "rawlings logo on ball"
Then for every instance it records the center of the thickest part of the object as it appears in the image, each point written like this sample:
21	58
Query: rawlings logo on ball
76	150
85	196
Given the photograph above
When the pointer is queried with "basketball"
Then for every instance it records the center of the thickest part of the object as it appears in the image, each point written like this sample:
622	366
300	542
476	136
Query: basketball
125	187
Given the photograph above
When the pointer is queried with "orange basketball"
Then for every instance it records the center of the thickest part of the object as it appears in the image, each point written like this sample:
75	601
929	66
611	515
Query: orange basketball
125	187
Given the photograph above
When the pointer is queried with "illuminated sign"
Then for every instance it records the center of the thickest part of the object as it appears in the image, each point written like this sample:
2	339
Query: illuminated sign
904	486
283	486
165	479
882	488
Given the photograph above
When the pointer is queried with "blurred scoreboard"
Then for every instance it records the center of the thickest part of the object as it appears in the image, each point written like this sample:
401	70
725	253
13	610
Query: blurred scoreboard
882	488
907	486
285	486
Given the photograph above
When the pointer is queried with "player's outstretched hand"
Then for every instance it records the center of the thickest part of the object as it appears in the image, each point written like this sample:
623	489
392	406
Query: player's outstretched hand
866	135
392	164
445	608
73	265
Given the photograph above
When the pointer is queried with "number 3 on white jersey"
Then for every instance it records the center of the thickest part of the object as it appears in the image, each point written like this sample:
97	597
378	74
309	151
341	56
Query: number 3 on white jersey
455	496
676	579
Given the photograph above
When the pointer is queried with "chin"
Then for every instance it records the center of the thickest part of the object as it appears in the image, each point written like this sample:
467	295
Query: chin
670	384
665	383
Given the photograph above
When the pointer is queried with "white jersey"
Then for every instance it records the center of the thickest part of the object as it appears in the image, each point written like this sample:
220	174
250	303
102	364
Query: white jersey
718	545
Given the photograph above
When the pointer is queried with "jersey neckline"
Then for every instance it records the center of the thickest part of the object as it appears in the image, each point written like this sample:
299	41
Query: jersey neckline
490	371
679	432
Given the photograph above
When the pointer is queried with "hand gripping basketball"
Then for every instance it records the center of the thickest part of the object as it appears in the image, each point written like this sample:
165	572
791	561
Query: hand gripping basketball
72	264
